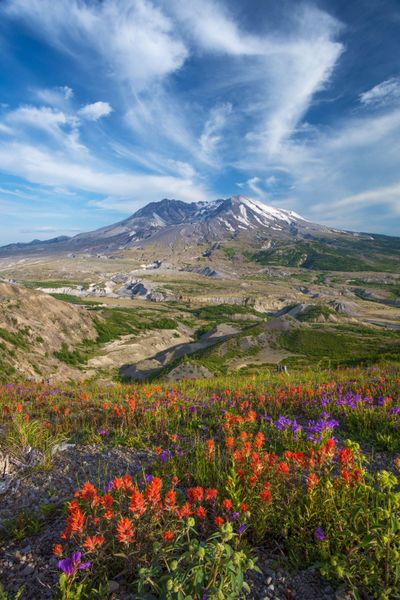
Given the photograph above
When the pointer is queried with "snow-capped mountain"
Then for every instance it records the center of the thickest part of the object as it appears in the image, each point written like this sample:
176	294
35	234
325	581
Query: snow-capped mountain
170	222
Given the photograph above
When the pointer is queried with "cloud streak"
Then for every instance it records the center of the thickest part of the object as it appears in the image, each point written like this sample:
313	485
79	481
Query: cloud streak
185	99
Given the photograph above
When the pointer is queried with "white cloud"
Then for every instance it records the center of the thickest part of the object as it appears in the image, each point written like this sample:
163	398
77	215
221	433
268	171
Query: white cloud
211	27
56	169
95	111
286	70
385	93
57	97
134	38
61	127
212	136
389	195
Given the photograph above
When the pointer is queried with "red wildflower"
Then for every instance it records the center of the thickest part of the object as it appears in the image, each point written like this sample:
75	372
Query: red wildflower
195	494
138	504
88	491
227	504
210	448
125	530
218	521
170	500
200	512
153	492
57	550
184	511
211	494
91	542
107	501
312	481
168	535
259	439
283	468
265	495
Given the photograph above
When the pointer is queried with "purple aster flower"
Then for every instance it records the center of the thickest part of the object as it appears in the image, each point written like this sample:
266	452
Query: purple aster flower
241	528
319	534
235	516
102	432
69	566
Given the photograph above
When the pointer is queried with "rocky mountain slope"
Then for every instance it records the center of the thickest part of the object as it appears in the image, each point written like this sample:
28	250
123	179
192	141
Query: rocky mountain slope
33	327
262	233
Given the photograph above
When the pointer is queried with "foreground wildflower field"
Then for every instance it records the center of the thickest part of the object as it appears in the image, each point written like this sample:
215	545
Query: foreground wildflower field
305	467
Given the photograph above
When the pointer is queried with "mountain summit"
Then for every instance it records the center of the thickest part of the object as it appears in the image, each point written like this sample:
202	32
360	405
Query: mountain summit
170	221
267	234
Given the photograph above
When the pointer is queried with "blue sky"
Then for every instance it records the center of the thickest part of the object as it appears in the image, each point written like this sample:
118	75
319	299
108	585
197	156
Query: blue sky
106	105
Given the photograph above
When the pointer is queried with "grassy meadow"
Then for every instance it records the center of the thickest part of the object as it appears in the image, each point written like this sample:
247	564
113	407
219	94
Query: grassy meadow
308	462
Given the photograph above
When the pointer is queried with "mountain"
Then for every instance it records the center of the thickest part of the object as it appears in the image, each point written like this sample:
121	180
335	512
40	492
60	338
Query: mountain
169	219
267	234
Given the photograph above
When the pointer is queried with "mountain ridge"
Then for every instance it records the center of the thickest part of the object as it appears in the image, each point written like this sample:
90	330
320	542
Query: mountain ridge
259	232
224	215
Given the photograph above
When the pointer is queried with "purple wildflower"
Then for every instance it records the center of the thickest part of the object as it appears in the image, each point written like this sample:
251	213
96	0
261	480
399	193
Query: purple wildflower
108	487
69	566
319	534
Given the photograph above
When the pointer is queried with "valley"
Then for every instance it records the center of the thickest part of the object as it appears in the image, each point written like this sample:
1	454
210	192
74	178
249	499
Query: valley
166	297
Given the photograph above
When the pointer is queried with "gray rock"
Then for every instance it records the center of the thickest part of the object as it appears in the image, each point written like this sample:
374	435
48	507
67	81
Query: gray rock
27	571
112	586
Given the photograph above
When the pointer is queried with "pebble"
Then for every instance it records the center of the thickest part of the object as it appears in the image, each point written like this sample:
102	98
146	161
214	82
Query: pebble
29	569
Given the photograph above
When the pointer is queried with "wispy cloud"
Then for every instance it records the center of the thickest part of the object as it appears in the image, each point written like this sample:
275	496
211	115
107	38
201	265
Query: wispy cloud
212	134
383	94
177	98
133	39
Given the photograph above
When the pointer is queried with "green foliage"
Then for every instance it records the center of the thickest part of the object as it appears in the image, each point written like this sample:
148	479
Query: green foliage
21	526
5	596
229	252
17	339
380	253
191	567
314	311
334	344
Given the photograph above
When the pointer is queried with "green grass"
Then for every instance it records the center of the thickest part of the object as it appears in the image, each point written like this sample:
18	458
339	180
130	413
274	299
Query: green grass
18	339
339	346
76	300
54	283
314	311
382	253
112	324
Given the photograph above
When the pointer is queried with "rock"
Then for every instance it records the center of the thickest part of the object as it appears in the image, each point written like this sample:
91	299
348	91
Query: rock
61	447
28	570
112	586
5	467
34	457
